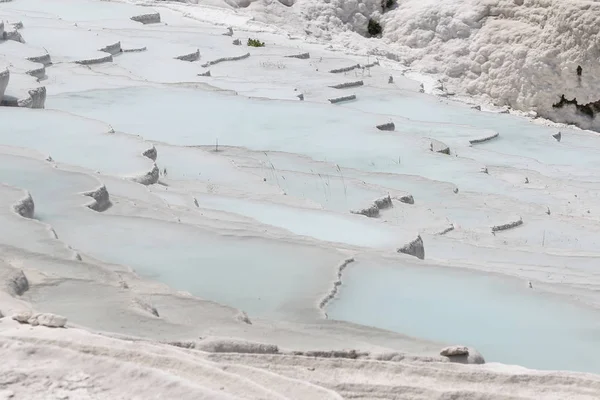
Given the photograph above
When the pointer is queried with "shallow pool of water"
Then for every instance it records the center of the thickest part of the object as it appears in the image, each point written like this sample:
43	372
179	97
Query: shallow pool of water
502	318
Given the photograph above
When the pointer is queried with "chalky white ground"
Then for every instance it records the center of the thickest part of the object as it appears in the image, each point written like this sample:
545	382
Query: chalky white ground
263	225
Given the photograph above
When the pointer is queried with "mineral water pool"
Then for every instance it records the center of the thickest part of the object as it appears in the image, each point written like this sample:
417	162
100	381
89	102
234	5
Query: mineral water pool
501	317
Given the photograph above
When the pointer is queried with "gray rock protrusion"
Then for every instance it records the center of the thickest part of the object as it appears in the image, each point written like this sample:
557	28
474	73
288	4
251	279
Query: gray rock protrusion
462	355
4	79
43	59
219	345
508	225
191	57
336	284
151	153
223	59
101	199
484	139
300	96
346	85
372	211
113	49
134	50
439	147
48	319
301	56
243	317
145	306
557	136
150	177
448	229
237	42
25	207
205	73
383	202
345	69
407	199
342	99
96	60
151	18
229	32
17	283
388	126
414	248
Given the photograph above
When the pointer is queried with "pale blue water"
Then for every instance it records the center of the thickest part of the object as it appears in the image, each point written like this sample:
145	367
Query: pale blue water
502	318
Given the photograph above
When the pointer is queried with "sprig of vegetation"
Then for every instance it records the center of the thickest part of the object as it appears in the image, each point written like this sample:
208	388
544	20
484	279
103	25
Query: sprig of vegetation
255	43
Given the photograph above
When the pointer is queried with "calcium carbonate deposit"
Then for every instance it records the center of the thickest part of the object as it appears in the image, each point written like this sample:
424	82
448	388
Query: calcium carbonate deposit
299	199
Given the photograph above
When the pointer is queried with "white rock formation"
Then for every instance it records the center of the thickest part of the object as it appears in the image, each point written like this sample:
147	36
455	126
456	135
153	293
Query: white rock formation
47	319
25	207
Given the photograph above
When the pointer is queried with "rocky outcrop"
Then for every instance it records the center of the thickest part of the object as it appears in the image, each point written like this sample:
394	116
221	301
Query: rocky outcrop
113	49
389	126
150	177
336	284
16	283
243	317
36	99
344	69
406	199
301	56
508	225
13	34
462	355
223	59
448	229
95	60
145	306
218	345
151	18
44	319
4	79
372	211
342	99
346	85
237	42
484	139
439	147
414	248
25	207
101	199
151	153
191	57
205	73
43	59
557	136
134	50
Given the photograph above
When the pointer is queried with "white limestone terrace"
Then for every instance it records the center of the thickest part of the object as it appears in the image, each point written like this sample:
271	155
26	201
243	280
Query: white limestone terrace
195	223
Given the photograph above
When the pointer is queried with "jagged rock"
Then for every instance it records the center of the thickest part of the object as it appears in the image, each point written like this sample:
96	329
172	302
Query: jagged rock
389	126
17	283
102	199
113	49
343	98
407	199
455	190
149	178
383	202
22	317
206	73
478	108
151	153
25	207
301	56
557	136
300	96
237	42
147	307
508	225
472	356
218	345
414	248
48	319
191	57
391	79
371	212
439	147
346	85
243	317
454	351
152	18
345	69
229	32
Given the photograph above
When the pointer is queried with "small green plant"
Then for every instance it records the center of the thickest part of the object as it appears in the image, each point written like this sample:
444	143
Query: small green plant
255	43
374	28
